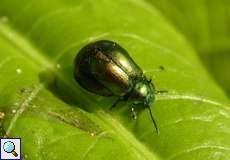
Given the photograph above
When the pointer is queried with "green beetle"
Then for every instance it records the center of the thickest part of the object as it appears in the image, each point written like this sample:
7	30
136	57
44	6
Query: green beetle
106	69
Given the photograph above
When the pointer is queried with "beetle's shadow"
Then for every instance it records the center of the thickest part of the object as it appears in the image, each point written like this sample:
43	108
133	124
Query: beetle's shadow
56	86
66	90
63	92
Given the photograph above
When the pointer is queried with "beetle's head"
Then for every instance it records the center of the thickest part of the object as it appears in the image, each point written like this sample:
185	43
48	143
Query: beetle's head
144	92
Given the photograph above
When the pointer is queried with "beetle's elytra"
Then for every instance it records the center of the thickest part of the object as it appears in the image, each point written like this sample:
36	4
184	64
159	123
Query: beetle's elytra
105	68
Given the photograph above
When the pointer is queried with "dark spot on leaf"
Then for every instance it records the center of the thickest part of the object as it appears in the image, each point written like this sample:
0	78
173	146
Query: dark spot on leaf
162	67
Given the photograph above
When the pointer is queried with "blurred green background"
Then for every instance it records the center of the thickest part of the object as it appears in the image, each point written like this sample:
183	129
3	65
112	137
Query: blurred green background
206	25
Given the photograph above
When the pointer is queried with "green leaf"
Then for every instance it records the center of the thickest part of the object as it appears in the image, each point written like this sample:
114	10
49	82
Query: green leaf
57	119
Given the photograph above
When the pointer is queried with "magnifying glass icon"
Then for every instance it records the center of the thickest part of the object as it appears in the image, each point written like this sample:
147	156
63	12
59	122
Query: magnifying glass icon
9	147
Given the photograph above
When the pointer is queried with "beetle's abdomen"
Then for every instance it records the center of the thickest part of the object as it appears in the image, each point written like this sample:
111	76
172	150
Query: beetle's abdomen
105	68
84	76
108	73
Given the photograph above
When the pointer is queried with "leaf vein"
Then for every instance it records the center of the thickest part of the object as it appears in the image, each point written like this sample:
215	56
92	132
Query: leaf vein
22	107
191	97
198	148
93	145
3	62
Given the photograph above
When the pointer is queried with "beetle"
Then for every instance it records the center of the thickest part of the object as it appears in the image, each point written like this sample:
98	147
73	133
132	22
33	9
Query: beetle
105	68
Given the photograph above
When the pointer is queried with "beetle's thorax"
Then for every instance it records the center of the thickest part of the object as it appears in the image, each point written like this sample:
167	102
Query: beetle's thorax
142	92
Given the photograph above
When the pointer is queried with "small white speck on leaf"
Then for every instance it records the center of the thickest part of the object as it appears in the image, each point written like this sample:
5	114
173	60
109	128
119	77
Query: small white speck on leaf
25	156
19	71
2	115
58	66
92	134
14	111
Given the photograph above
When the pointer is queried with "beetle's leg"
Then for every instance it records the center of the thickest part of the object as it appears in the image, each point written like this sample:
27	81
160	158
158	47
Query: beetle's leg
116	102
133	112
149	80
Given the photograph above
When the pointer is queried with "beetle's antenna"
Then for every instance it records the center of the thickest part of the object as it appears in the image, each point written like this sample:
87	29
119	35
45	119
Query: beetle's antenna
160	91
153	120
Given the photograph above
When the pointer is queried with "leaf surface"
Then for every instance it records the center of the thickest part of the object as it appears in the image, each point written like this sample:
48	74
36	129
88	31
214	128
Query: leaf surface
57	119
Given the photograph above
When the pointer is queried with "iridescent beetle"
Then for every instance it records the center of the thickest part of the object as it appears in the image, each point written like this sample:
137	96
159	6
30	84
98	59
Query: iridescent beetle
105	68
